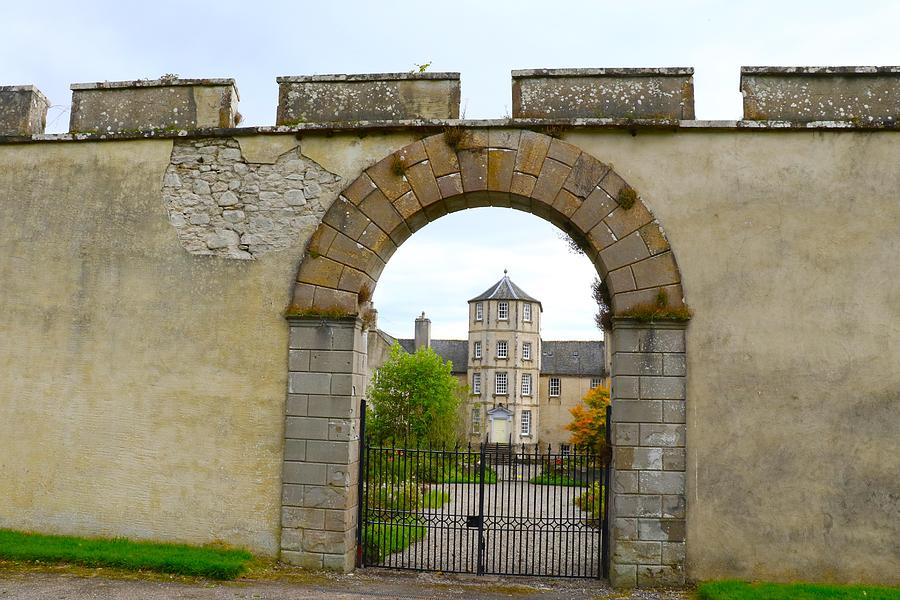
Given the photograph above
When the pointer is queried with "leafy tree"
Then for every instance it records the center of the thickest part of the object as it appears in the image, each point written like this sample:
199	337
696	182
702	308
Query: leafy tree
414	399
588	425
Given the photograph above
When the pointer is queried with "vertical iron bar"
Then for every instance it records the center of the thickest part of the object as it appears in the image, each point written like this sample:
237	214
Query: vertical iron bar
455	530
508	527
545	508
430	550
532	509
442	555
481	466
420	514
392	484
470	500
566	527
382	516
492	493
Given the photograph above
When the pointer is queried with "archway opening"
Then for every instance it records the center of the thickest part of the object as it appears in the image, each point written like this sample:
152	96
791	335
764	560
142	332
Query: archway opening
378	212
500	297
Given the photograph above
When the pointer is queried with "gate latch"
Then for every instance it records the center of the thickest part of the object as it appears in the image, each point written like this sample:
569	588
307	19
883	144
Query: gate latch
473	521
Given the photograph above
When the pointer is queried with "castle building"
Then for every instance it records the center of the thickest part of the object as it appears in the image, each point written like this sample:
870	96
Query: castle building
520	387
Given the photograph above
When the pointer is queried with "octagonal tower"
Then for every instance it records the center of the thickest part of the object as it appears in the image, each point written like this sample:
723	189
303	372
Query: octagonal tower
504	364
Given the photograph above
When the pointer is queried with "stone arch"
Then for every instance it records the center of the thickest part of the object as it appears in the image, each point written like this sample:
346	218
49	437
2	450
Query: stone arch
468	168
444	173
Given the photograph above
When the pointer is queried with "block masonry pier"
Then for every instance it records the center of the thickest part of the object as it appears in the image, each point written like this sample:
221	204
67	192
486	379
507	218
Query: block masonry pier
666	93
864	94
647	500
166	103
367	97
326	380
23	110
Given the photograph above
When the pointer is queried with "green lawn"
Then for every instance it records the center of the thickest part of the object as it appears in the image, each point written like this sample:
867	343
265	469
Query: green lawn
555	479
435	498
382	539
456	476
739	590
180	559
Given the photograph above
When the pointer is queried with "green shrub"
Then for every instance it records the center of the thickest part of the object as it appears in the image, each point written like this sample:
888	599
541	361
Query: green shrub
591	500
395	496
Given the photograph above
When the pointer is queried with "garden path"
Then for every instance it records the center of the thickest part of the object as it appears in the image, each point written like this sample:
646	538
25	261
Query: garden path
529	530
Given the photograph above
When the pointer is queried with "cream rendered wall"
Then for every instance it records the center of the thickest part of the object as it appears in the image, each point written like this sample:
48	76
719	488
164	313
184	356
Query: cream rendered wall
787	243
555	413
143	387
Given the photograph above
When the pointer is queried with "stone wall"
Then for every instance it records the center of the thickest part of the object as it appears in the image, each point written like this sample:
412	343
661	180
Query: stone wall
164	416
221	204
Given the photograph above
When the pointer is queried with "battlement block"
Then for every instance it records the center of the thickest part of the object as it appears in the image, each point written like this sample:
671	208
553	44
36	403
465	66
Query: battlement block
23	110
864	94
167	103
367	97
663	93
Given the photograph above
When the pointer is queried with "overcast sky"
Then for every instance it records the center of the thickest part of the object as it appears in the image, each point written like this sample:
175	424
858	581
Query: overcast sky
52	44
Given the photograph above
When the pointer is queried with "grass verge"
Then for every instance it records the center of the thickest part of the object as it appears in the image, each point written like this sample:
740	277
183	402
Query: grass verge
741	590
120	553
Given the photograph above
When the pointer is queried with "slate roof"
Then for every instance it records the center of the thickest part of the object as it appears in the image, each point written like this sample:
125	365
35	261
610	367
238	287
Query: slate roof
456	351
557	358
572	358
504	289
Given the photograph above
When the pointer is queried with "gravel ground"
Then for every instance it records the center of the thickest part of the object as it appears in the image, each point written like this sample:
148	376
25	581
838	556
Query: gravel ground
371	583
529	529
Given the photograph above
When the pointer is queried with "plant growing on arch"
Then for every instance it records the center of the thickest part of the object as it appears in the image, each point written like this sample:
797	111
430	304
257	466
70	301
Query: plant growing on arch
414	399
588	426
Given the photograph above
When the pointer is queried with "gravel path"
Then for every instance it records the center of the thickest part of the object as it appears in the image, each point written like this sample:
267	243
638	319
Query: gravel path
370	583
529	530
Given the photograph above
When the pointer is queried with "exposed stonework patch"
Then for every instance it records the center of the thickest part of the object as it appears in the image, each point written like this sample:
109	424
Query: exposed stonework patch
222	205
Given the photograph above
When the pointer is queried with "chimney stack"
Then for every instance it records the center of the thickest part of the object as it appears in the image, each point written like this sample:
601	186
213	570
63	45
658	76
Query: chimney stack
423	332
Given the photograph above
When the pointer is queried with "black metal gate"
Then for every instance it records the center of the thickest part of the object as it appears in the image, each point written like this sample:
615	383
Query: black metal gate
486	509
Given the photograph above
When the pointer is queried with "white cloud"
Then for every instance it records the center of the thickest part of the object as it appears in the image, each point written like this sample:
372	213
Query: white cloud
439	269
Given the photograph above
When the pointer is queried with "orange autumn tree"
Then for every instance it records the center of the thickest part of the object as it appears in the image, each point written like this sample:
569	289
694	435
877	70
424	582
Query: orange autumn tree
588	425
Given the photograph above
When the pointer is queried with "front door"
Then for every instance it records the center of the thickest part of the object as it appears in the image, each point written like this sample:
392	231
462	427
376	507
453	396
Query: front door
500	431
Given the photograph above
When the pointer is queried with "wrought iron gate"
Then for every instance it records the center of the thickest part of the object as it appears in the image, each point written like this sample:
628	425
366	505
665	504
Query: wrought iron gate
485	509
